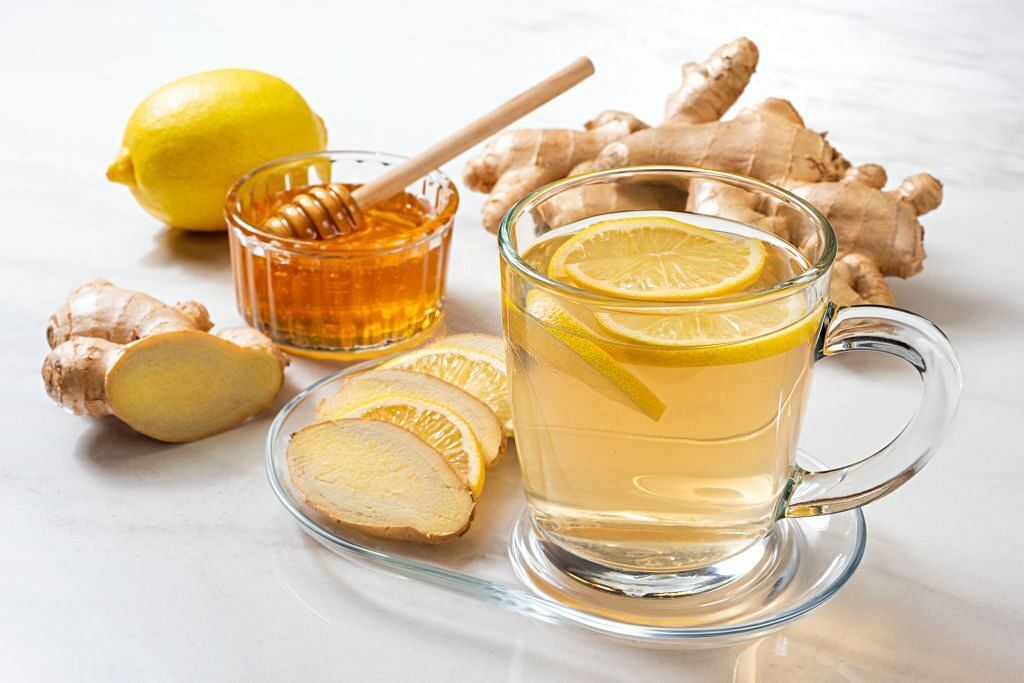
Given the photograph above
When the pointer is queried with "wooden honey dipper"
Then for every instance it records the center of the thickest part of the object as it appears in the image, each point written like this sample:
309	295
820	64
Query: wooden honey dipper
330	211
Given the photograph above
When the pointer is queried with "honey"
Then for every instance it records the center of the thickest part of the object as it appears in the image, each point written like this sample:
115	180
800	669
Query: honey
349	296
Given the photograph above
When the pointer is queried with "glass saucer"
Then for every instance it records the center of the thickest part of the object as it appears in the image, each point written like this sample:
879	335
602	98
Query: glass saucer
499	560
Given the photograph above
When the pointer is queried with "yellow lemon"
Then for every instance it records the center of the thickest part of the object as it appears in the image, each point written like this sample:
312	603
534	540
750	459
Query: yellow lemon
190	140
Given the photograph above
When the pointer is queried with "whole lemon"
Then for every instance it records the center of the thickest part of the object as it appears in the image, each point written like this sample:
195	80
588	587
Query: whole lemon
190	140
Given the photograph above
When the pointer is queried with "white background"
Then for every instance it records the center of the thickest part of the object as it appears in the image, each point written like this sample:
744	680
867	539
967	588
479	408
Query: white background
124	559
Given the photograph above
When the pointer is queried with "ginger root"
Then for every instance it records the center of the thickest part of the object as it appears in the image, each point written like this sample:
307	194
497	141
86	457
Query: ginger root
878	231
155	367
518	161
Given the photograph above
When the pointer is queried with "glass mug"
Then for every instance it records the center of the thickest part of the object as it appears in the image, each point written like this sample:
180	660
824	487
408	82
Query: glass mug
652	468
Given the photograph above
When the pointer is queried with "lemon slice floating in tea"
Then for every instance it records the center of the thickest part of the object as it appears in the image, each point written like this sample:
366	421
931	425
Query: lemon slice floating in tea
698	325
556	338
472	362
437	425
657	258
714	334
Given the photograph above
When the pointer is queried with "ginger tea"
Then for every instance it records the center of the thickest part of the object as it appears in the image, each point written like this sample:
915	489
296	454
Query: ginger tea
652	435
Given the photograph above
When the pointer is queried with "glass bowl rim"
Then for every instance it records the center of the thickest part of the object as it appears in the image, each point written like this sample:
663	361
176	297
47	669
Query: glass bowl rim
444	217
510	254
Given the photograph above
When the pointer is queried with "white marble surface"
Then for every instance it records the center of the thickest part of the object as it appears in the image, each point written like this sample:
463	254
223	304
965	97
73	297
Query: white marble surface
124	559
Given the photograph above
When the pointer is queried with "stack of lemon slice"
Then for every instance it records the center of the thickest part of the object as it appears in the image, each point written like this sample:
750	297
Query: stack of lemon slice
473	362
448	399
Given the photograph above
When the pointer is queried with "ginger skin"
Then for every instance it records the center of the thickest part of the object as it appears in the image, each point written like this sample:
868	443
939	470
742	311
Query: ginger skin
518	161
878	231
709	89
156	367
96	308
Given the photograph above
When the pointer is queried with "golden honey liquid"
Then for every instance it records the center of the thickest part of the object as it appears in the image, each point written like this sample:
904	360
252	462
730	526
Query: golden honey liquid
376	289
703	482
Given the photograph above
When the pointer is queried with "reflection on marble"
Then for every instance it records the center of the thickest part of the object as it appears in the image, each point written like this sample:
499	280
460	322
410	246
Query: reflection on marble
130	560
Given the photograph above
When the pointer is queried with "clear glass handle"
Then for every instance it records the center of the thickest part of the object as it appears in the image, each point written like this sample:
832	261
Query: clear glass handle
923	345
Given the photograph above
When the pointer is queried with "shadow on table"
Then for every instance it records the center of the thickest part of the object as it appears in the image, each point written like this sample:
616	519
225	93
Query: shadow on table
205	251
108	441
885	626
110	445
881	627
948	302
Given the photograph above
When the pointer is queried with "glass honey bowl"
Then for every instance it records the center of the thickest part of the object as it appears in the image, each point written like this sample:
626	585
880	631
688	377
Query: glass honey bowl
355	296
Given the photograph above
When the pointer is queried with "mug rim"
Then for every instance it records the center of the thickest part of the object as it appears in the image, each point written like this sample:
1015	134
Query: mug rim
814	272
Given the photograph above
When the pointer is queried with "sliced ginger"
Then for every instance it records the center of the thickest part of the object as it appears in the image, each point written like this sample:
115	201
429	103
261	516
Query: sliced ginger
401	452
440	427
376	477
156	367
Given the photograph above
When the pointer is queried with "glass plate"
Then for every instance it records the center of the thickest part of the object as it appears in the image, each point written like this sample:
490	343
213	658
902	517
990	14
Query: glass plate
812	558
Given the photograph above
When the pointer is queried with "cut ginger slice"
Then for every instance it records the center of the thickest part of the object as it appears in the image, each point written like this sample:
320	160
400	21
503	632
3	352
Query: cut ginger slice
374	386
440	427
378	478
474	362
186	385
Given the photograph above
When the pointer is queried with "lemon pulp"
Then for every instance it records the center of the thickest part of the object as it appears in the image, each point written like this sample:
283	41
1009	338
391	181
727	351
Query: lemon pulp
472	362
657	258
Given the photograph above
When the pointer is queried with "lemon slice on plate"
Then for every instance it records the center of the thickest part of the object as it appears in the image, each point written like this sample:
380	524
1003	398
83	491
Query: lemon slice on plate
391	385
556	338
473	362
440	427
657	258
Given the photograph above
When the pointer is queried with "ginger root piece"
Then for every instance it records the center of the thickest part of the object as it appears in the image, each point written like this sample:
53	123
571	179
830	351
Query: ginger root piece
379	478
518	161
878	231
96	308
155	367
709	89
768	141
